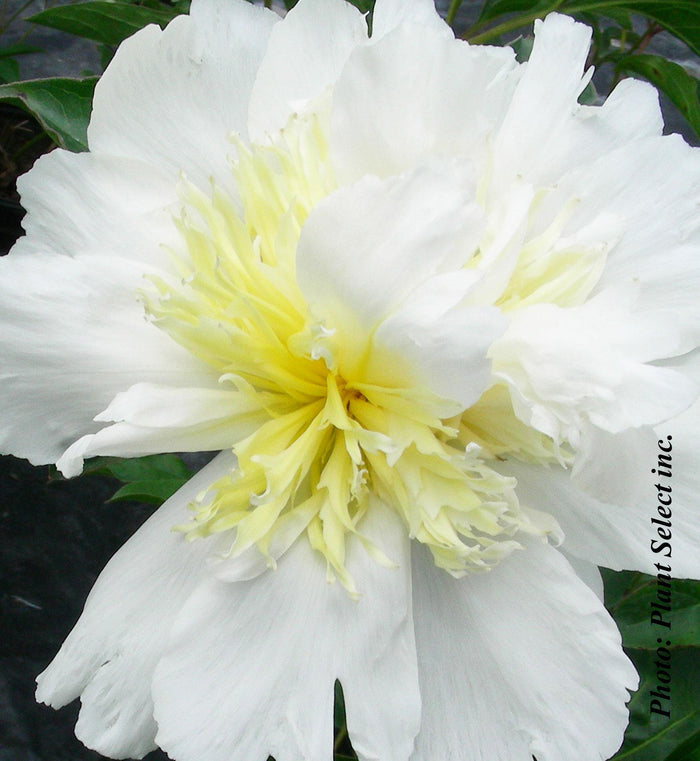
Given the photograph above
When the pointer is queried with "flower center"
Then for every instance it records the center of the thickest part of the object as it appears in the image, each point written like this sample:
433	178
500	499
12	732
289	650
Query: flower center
330	443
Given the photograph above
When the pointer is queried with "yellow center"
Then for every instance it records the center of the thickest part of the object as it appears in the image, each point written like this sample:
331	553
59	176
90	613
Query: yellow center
330	444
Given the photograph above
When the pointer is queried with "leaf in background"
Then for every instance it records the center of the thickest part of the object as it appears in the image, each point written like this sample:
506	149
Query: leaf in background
364	6
154	491
523	47
106	22
680	17
139	468
687	751
629	596
149	479
652	737
9	68
61	106
680	86
494	8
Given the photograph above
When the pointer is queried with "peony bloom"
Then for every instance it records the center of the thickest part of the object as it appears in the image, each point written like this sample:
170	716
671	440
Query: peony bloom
430	309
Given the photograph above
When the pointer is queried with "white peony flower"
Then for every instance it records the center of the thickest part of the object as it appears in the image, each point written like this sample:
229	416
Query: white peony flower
431	309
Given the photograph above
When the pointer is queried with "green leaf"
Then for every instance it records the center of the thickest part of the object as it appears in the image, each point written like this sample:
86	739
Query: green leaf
687	751
681	87
629	597
106	22
154	491
364	6
9	69
18	49
523	48
149	479
680	17
589	96
494	8
651	736
61	106
134	469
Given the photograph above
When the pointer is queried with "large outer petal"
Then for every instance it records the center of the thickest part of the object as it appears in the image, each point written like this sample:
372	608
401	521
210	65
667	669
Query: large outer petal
173	97
75	335
109	657
620	537
93	204
521	661
250	666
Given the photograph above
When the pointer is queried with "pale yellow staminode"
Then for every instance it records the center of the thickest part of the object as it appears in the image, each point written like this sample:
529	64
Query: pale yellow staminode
334	439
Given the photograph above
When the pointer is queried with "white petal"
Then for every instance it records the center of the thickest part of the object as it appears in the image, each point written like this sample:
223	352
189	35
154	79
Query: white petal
151	419
567	366
620	537
305	54
516	662
91	204
612	467
587	133
369	245
172	98
451	351
544	101
75	335
109	657
588	573
250	665
391	251
658	251
388	14
391	111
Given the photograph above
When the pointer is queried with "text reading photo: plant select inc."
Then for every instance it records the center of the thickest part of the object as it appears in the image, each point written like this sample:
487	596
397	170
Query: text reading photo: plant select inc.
660	608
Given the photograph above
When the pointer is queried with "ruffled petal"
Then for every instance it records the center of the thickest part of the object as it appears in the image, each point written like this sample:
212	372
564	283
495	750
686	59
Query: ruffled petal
391	111
109	657
74	334
194	79
566	367
657	252
625	537
305	55
250	666
517	662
